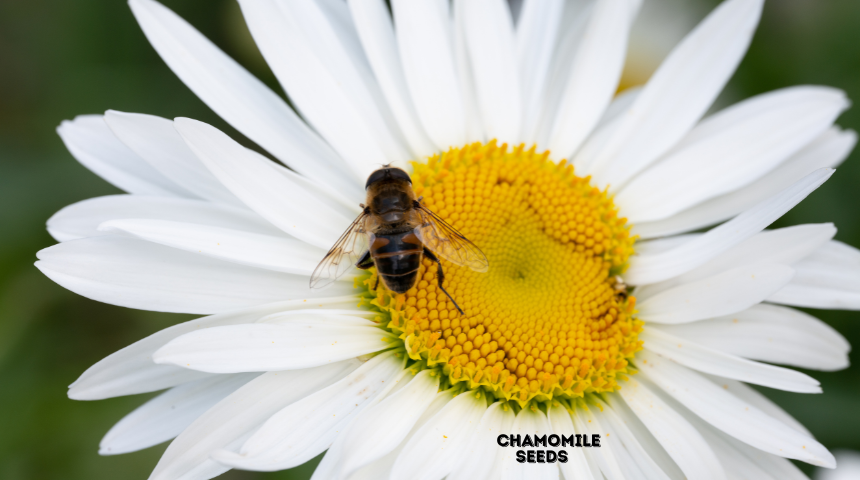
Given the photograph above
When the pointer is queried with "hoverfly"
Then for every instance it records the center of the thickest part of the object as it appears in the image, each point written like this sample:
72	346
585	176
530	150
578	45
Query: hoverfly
392	233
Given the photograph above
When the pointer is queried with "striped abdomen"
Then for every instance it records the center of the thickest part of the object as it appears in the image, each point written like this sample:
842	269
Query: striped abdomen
397	257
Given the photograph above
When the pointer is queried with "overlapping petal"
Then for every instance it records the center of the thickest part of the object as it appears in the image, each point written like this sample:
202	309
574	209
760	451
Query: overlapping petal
425	37
278	253
156	141
731	150
131	370
770	333
829	278
733	416
328	78
237	96
717	362
138	274
263	187
82	219
645	269
167	415
89	139
827	151
432	452
307	427
380	429
679	93
230	422
307	341
680	439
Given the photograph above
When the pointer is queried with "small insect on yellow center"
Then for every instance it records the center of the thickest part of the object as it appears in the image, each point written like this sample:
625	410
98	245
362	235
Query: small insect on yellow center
549	319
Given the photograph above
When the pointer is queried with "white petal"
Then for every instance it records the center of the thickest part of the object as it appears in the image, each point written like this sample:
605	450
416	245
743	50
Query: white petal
379	429
156	141
465	76
131	370
736	464
537	32
329	82
849	467
167	415
137	274
594	75
646	439
784	246
480	460
92	143
302	343
632	445
741	461
489	35
583	160
780	468
82	219
731	415
424	33
376	31
716	362
576	467
304	429
679	92
235	417
433	451
660	245
755	398
731	150
239	98
607	455
770	334
828	150
720	294
655	268
829	278
574	19
619	105
531	421
281	253
260	185
680	439
342	313
328	468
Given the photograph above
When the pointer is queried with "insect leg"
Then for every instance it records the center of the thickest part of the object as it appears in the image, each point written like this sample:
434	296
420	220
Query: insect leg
365	262
440	276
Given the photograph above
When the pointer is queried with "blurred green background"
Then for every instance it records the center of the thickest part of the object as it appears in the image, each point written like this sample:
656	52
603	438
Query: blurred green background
59	59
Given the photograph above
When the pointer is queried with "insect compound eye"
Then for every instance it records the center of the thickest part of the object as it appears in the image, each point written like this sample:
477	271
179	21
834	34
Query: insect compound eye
375	177
400	175
387	173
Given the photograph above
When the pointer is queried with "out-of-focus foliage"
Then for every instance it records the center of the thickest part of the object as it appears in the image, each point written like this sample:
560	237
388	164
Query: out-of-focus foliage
59	59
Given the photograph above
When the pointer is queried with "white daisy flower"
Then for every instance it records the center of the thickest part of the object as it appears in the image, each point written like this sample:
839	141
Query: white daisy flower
514	135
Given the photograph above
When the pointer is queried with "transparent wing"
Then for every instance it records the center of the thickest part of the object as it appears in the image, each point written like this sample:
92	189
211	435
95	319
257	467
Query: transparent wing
343	255
446	242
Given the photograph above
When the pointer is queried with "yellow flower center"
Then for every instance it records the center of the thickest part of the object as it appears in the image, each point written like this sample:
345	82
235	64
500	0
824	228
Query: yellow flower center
547	320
